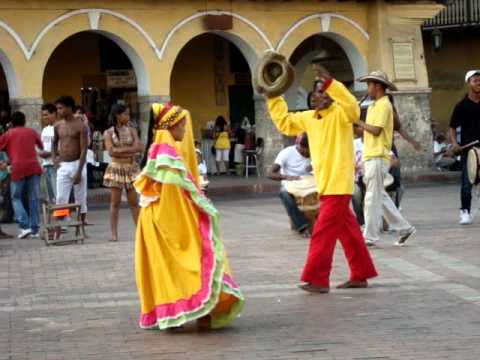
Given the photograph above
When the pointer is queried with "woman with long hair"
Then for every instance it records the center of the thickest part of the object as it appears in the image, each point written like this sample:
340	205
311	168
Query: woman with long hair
181	268
123	145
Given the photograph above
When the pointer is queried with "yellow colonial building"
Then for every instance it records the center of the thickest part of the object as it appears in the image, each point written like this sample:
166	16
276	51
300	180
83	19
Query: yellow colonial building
200	54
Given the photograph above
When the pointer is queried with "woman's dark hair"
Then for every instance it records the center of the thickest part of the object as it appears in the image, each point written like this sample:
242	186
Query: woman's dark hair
220	122
18	119
117	109
79	108
52	109
66	101
151	125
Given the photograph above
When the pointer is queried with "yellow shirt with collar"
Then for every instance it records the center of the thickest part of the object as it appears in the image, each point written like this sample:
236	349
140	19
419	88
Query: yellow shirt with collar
330	137
379	114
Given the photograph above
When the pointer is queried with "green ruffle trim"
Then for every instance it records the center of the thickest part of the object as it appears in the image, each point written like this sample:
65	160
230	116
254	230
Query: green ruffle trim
167	170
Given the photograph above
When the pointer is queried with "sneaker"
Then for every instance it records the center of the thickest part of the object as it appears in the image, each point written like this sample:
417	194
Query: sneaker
35	235
465	217
405	235
24	233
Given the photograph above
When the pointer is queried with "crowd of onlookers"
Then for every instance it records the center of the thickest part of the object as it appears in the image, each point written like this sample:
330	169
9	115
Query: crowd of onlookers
52	166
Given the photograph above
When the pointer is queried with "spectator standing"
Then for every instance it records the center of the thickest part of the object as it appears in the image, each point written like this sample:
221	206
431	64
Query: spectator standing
49	117
123	145
20	143
70	152
222	144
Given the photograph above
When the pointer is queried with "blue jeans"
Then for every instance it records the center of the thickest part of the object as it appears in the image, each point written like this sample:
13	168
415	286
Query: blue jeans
466	191
299	220
31	186
49	179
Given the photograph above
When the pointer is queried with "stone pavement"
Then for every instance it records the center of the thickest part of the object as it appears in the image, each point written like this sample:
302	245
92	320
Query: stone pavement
226	185
79	302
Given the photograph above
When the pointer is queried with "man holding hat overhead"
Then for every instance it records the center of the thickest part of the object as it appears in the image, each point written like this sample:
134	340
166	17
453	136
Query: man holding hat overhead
378	137
330	134
466	116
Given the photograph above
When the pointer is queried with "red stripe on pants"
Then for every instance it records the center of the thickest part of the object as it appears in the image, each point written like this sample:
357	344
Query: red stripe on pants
337	221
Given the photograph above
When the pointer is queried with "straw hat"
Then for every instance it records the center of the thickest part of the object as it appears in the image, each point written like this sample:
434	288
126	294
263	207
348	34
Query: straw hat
274	74
380	77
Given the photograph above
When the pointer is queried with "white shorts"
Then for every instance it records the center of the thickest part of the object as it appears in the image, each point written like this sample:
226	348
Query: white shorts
65	174
222	154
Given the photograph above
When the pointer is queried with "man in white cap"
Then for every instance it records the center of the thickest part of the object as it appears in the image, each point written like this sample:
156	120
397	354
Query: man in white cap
378	137
466	116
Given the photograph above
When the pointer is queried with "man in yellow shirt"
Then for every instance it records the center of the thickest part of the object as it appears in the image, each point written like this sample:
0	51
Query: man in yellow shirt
378	137
330	132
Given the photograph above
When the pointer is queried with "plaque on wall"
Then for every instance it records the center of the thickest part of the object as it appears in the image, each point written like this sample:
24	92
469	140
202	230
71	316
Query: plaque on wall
403	61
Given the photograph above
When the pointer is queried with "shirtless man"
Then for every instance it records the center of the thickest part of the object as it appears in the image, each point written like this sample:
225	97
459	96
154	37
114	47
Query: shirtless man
69	154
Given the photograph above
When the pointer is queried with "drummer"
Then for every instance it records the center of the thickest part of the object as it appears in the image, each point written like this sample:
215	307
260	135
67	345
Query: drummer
466	116
291	164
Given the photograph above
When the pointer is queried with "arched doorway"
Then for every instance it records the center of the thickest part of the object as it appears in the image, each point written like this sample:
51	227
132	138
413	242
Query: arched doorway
330	54
5	109
4	95
98	70
211	77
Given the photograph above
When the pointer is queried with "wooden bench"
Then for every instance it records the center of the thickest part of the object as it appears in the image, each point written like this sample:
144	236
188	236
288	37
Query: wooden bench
51	223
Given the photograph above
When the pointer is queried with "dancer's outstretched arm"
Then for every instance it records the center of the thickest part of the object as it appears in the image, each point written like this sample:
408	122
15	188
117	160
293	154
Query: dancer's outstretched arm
288	123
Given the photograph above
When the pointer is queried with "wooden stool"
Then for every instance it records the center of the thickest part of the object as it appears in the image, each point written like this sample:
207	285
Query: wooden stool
251	161
50	214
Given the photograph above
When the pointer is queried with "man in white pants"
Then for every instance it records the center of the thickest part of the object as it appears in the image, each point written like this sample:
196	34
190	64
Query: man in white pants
378	137
70	151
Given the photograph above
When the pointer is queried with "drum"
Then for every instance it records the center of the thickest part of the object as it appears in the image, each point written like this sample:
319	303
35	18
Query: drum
306	195
473	165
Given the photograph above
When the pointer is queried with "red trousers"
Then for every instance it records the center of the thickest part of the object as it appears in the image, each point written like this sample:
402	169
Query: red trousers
337	221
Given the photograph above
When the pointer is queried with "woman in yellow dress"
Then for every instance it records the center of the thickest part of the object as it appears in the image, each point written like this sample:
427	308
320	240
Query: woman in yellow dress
182	271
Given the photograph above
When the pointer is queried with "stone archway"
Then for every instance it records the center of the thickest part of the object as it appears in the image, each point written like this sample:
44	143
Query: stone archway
347	33
109	72
332	56
251	43
10	75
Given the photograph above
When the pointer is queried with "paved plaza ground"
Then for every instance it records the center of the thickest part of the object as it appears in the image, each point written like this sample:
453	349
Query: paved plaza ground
79	302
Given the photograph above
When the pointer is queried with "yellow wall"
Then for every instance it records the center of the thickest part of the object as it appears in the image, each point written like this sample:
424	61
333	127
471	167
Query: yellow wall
447	68
73	59
383	22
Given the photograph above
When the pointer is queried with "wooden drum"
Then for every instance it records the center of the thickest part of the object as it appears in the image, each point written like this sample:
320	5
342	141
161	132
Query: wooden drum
473	165
306	195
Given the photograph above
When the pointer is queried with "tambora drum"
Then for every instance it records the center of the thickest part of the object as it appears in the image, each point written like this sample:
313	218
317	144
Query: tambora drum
473	165
306	195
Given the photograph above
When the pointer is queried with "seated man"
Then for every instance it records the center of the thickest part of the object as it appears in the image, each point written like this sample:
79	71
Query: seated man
291	164
443	157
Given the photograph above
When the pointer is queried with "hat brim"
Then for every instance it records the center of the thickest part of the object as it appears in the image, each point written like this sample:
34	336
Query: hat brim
378	79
